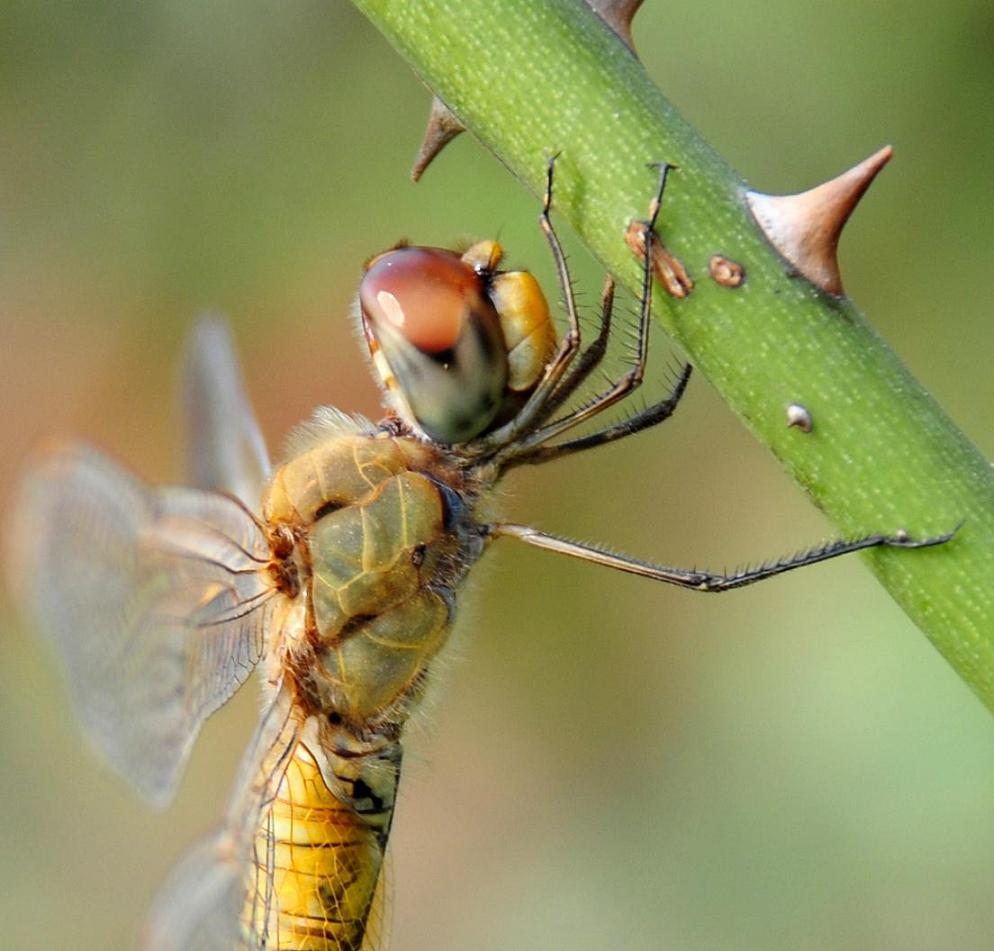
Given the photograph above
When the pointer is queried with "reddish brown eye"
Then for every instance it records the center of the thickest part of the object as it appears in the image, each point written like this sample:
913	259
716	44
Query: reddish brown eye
423	293
436	340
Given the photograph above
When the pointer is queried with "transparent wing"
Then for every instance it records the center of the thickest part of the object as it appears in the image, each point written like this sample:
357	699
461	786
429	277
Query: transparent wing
224	893
226	448
198	908
156	601
202	905
380	921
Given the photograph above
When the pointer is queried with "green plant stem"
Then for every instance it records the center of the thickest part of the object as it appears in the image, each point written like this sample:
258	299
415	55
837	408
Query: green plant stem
534	78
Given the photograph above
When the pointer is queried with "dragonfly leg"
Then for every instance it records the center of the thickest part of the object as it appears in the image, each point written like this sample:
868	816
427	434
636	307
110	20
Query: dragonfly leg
644	419
706	580
589	359
569	345
524	449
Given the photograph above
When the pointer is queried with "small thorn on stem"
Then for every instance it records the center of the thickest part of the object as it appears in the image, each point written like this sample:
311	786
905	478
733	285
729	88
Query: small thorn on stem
618	14
442	128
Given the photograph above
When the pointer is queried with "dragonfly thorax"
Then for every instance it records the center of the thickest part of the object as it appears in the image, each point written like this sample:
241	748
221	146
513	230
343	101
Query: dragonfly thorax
380	555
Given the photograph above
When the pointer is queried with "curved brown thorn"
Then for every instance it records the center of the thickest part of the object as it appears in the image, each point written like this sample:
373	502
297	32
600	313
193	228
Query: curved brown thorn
805	228
442	128
618	14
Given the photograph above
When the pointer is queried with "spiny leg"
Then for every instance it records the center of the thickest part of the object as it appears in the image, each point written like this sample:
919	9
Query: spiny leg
631	380
589	359
644	419
706	580
569	345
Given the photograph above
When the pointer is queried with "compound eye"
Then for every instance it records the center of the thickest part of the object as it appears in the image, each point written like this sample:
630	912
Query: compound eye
427	314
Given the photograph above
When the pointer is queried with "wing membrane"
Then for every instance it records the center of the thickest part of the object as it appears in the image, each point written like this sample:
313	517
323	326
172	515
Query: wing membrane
378	925
222	895
226	448
201	906
156	599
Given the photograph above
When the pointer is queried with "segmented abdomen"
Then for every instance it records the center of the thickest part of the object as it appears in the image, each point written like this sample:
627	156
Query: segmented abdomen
325	860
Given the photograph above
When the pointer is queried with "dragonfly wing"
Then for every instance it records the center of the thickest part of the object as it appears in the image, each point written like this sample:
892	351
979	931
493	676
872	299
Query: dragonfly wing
156	600
198	907
380	921
204	902
226	448
226	893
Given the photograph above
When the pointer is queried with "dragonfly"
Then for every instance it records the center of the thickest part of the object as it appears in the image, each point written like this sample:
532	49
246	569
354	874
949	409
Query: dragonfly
334	574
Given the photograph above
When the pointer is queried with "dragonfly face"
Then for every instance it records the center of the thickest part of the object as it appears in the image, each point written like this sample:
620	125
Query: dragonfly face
456	343
336	573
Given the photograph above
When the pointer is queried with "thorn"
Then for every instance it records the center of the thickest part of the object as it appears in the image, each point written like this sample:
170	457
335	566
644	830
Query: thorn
442	128
805	228
799	417
618	14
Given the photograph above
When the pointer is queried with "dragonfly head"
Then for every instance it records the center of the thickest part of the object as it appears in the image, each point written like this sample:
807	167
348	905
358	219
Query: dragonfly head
436	340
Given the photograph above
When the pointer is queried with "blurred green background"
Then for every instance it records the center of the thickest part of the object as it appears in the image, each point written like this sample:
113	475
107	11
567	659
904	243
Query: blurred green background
608	764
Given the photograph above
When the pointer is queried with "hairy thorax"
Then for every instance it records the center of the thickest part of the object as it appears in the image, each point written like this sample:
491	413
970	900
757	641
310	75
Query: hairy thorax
372	533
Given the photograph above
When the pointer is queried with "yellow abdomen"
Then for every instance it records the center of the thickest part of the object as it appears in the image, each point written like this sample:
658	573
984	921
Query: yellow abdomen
325	862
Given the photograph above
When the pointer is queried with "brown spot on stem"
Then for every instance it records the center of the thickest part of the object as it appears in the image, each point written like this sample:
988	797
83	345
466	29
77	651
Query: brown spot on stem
725	271
667	268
